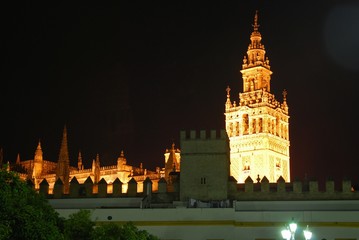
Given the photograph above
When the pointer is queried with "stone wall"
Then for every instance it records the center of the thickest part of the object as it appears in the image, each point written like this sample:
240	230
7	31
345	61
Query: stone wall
204	165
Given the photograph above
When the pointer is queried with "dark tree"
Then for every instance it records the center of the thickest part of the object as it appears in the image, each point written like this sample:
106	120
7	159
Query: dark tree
24	213
107	231
79	225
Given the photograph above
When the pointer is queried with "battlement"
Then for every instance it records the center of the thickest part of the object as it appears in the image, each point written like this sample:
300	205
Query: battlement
204	142
203	134
102	189
297	190
248	191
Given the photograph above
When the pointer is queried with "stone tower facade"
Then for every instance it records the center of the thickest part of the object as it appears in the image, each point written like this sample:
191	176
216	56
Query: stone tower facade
204	165
257	125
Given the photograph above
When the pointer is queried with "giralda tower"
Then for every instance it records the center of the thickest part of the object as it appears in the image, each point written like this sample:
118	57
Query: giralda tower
257	125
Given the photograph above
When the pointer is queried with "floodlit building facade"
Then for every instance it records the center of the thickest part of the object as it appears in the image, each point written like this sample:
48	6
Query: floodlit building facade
37	170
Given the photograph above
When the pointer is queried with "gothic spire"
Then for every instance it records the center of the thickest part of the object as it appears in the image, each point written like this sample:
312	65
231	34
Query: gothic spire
38	152
18	158
96	168
285	105
228	102
64	152
79	162
63	164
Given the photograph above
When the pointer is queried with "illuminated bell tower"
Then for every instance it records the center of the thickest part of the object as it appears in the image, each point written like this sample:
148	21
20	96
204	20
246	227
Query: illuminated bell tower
258	126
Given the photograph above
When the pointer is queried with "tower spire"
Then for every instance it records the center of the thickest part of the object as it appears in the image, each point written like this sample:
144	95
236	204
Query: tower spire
96	168
255	68
255	25
38	152
63	164
38	161
18	159
79	162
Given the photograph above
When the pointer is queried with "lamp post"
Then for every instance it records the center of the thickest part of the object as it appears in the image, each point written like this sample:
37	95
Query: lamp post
289	232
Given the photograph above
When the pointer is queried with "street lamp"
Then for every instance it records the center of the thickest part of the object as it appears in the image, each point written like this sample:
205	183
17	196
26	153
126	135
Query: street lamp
307	234
289	232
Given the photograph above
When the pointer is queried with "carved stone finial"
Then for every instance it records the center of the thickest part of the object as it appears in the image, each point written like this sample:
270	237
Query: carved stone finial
284	95
258	178
228	90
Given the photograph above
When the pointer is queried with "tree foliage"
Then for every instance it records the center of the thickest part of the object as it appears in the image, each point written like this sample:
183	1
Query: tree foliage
79	225
25	214
127	231
107	231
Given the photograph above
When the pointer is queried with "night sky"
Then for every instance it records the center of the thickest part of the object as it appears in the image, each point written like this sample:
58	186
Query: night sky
130	76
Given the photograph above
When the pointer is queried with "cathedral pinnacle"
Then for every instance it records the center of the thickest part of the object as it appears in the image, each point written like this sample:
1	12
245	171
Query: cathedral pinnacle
79	162
228	90
18	158
38	152
228	102
39	145
63	164
284	95
285	105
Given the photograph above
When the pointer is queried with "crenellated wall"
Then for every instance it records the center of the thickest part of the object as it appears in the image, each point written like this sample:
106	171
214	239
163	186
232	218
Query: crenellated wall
163	198
296	190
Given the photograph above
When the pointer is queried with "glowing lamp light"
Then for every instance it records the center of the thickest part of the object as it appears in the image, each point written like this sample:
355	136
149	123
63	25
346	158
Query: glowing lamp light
286	234
289	232
307	234
293	227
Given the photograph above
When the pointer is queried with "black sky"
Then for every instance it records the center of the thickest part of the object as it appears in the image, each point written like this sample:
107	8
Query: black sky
129	76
